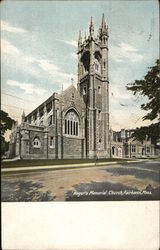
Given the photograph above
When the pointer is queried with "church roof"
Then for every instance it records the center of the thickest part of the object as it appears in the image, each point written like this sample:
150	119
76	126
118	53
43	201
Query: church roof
69	88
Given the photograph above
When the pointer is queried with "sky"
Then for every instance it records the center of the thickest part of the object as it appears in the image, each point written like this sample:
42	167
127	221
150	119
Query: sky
39	51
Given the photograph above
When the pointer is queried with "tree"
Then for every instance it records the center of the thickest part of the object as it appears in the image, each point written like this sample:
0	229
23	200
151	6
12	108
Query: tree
6	123
149	87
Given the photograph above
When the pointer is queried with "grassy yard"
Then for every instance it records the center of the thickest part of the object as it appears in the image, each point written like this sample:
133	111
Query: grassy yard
26	163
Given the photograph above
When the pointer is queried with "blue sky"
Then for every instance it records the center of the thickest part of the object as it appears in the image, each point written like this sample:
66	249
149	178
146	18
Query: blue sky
39	45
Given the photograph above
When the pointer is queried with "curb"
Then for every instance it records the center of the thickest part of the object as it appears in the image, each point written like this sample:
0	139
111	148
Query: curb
58	167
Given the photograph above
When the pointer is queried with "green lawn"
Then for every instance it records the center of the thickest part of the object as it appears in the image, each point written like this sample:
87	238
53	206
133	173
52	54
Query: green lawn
26	163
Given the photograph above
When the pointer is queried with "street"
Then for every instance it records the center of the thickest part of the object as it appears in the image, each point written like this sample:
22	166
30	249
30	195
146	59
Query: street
129	181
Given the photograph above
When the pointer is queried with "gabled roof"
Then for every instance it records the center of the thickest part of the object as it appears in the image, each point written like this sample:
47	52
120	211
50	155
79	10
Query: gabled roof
69	88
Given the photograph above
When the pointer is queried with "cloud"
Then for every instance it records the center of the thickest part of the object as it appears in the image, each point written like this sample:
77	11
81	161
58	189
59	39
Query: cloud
74	56
128	119
8	48
127	47
136	58
29	88
116	92
116	97
8	27
56	73
35	66
118	60
48	66
71	42
52	69
14	58
125	51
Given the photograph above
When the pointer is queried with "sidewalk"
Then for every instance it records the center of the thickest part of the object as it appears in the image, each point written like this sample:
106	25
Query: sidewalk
61	167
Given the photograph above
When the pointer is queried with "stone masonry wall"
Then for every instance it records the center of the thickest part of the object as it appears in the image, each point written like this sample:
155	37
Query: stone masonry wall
72	148
37	153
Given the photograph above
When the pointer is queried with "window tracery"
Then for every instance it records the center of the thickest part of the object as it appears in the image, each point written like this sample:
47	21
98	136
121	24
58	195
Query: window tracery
71	123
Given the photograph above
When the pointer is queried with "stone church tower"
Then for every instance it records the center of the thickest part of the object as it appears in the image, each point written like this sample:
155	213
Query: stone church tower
93	86
75	122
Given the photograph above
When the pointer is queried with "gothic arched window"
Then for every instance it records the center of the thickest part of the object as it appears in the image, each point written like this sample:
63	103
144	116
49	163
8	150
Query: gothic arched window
99	89
113	150
52	142
97	66
84	90
71	123
41	123
50	120
99	114
36	143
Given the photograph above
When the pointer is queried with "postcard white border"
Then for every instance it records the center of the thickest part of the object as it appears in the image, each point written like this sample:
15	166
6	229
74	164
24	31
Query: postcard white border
80	225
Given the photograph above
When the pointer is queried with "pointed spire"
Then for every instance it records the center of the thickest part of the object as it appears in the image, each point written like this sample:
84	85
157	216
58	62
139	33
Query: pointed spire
13	126
23	117
80	38
85	35
103	27
91	21
103	21
91	28
99	33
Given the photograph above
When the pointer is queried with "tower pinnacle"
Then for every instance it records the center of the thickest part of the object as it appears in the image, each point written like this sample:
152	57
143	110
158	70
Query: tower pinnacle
23	116
103	27
85	35
91	28
80	38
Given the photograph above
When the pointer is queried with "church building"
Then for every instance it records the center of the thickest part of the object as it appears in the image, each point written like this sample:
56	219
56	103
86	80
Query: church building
74	123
